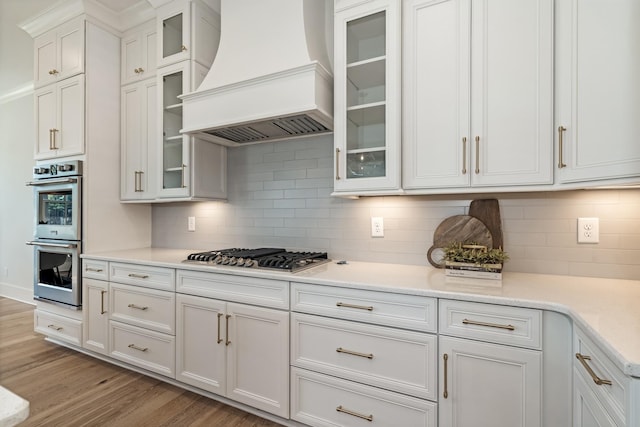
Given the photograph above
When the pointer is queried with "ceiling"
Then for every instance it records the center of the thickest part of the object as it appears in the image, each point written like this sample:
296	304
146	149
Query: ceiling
118	6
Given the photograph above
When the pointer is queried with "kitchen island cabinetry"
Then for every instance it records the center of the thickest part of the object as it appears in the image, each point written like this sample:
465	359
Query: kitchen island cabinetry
367	101
597	108
231	349
477	94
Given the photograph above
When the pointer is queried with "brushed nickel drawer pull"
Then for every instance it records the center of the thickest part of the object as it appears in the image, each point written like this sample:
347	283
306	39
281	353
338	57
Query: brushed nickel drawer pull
489	325
102	310
137	307
445	358
219	338
57	328
354	353
359	307
596	379
95	270
227	330
138	276
135	347
355	414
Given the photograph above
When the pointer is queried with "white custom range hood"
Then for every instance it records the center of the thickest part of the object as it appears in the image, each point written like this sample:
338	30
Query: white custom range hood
271	77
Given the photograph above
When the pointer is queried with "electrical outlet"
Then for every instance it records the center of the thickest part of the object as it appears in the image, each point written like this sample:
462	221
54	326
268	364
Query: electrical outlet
377	226
588	230
191	223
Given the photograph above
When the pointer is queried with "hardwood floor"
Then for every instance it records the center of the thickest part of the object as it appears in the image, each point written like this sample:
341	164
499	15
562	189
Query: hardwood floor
67	388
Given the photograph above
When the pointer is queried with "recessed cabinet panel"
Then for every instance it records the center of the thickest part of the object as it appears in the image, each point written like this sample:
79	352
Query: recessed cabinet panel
59	53
139	53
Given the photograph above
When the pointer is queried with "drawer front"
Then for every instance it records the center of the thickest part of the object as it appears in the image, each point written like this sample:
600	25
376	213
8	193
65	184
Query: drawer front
146	349
382	308
520	327
95	269
402	361
147	308
142	275
58	327
248	290
613	396
320	400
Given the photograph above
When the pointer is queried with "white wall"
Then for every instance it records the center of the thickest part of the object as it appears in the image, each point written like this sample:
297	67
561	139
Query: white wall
16	147
279	195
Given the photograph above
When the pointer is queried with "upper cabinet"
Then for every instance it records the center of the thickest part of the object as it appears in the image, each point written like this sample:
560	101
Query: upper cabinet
597	91
139	50
187	30
477	94
59	53
367	97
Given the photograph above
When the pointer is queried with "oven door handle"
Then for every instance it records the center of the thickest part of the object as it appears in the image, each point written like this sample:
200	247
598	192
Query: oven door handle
52	181
53	245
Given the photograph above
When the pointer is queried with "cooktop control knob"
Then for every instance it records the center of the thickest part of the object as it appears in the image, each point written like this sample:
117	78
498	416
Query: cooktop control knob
40	170
65	167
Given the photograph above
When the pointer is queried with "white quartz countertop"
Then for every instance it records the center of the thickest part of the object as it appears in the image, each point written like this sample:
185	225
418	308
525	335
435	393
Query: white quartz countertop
13	408
607	309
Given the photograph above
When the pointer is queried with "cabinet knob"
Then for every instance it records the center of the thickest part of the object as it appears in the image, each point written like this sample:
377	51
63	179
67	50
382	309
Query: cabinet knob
184	48
53	72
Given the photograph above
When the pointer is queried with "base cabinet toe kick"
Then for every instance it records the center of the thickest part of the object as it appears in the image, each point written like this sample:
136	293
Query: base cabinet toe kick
327	355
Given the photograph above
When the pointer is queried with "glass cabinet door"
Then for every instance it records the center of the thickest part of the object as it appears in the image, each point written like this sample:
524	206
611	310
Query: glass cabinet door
174	35
367	98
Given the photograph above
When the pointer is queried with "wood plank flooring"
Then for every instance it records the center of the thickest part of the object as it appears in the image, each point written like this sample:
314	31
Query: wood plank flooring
67	388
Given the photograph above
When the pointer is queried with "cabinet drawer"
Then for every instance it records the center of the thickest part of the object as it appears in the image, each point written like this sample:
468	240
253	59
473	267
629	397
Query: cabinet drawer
146	349
95	269
613	396
148	308
58	327
249	290
520	327
366	353
382	308
142	275
320	400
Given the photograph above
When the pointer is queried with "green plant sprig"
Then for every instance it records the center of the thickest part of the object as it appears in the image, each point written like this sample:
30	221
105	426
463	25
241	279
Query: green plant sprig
473	253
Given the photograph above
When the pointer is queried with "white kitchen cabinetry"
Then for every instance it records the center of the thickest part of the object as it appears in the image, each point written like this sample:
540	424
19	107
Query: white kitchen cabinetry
138	51
189	168
604	395
367	97
59	53
187	30
345	349
477	94
95	309
597	108
235	350
139	139
484	382
60	117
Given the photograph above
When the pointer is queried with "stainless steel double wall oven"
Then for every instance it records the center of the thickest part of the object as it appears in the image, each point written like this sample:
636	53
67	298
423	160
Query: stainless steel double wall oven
57	244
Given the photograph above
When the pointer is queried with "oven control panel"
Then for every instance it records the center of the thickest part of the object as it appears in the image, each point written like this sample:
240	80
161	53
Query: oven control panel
66	168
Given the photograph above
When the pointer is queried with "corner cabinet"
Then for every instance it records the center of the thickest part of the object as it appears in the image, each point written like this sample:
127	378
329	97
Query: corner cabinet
597	108
477	93
367	97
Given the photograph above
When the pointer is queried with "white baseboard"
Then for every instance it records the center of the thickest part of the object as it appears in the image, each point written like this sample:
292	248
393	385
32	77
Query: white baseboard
16	292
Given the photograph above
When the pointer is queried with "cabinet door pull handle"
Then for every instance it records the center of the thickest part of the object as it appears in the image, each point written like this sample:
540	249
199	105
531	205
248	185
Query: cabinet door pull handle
95	270
359	307
354	353
489	325
561	163
182	177
57	328
219	338
337	164
477	155
138	307
355	414
102	310
135	347
52	139
138	276
596	379
445	358
183	48
464	155
228	316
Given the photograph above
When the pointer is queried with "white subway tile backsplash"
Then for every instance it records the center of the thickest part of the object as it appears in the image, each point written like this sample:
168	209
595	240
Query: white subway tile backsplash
280	195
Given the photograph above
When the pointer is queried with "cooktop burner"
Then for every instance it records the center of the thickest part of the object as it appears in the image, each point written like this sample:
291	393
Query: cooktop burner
266	258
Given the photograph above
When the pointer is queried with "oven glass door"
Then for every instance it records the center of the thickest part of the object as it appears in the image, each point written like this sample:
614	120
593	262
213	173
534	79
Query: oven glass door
57	209
57	272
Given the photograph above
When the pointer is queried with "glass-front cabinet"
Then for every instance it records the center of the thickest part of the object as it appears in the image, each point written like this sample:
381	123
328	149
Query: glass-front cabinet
367	88
174	35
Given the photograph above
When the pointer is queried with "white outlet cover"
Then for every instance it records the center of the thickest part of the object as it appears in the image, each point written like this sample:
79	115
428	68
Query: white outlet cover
377	226
191	223
588	230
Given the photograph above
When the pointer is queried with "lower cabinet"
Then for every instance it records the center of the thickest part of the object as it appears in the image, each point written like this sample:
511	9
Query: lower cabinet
587	409
234	350
95	300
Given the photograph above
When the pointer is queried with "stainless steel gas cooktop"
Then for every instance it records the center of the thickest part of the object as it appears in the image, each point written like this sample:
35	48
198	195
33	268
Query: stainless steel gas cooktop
264	258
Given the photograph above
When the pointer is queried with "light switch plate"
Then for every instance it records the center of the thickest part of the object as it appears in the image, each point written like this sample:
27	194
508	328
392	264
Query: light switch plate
588	230
191	223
